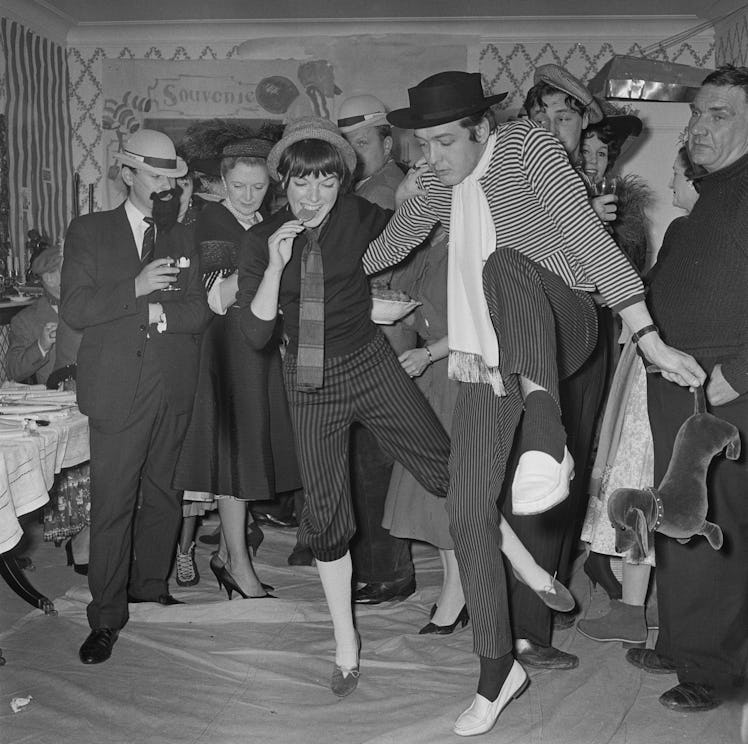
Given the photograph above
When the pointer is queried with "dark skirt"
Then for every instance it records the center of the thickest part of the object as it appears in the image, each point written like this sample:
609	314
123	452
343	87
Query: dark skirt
239	442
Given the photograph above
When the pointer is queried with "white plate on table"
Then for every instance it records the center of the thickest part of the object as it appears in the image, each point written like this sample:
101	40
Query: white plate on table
18	298
23	408
62	397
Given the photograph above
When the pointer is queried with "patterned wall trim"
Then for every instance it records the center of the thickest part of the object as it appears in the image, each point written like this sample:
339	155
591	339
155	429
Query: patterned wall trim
504	65
732	40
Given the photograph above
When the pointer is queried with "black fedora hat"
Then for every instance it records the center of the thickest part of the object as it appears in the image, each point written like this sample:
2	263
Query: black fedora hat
441	98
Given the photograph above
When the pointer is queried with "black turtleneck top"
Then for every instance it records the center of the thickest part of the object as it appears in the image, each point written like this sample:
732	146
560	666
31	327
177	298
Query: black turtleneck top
698	293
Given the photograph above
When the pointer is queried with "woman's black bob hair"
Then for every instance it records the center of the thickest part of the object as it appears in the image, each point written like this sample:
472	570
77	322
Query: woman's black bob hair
313	157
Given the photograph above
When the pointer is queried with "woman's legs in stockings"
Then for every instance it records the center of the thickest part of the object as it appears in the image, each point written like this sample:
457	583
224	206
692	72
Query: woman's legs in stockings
451	598
187	535
233	547
635	582
79	544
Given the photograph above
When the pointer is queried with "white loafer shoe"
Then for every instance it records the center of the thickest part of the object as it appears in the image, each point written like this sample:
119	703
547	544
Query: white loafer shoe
482	714
540	482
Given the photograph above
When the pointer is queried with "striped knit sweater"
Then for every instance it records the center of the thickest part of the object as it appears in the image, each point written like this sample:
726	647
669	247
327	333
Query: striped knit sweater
540	208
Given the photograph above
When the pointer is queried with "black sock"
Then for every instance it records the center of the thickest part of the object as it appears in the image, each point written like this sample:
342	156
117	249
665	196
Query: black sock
493	672
542	429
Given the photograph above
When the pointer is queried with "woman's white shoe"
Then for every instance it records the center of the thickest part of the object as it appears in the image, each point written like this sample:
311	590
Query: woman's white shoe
482	714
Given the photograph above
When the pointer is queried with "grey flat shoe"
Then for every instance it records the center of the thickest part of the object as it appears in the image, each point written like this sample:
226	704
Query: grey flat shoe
345	679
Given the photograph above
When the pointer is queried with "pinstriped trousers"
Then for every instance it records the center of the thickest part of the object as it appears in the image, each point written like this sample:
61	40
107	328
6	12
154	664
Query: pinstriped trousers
370	387
545	331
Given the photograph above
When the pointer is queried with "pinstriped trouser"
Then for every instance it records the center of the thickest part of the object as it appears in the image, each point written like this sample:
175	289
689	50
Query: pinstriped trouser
545	331
368	386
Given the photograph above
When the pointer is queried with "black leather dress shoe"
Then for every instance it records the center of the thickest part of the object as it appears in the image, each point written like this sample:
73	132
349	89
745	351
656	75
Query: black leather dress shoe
272	521
650	661
98	646
688	697
162	599
385	591
543	657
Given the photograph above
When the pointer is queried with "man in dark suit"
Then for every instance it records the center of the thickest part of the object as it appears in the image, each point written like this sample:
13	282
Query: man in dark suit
137	367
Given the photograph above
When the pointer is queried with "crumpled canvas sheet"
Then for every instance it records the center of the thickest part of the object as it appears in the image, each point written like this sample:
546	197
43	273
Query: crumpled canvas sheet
224	672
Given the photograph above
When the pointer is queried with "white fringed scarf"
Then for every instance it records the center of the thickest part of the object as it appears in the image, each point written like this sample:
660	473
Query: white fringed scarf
473	346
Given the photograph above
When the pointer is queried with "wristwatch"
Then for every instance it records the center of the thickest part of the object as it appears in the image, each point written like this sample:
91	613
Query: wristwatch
636	337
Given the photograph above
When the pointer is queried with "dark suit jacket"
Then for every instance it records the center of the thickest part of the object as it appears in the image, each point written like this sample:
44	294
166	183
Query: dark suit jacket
98	298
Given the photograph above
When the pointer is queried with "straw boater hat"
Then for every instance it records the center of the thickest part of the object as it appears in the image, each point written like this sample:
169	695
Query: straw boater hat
559	78
358	112
310	128
153	152
441	98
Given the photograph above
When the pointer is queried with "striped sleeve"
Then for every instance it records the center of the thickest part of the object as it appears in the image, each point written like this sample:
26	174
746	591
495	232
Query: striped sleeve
564	198
408	228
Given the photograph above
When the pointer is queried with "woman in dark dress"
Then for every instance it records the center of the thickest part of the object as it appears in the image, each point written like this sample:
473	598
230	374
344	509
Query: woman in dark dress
239	446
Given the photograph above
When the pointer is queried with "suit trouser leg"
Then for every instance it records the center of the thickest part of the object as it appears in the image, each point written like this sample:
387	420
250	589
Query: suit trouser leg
159	515
377	555
483	427
546	331
582	402
118	460
702	593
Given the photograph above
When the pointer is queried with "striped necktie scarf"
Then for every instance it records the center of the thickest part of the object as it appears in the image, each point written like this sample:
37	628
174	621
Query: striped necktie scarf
149	242
311	354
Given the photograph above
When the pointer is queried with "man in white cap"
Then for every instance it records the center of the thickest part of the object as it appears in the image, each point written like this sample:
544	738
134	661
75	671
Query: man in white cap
382	564
363	122
137	366
525	253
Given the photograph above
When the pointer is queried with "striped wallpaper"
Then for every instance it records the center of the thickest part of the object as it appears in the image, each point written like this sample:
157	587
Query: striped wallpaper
40	172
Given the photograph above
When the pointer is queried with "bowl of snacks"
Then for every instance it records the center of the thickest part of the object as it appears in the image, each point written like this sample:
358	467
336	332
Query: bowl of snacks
390	305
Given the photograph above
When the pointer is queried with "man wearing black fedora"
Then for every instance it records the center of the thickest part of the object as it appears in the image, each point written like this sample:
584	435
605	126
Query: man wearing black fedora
137	367
526	251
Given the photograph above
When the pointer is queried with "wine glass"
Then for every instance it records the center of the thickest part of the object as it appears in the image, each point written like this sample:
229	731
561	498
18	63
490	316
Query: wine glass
606	185
181	263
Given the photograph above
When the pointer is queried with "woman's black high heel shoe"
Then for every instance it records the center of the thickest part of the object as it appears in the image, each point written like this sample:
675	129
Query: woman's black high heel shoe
218	567
216	564
229	583
462	620
597	567
79	568
255	536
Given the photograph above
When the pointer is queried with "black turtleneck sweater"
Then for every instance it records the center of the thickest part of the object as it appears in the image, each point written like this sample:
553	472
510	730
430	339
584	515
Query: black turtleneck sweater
699	289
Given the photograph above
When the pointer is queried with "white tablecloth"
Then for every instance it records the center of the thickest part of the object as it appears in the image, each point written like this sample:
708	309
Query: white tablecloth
28	465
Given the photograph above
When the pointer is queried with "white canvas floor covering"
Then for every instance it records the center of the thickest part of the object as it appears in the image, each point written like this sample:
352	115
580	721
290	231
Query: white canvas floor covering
224	672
